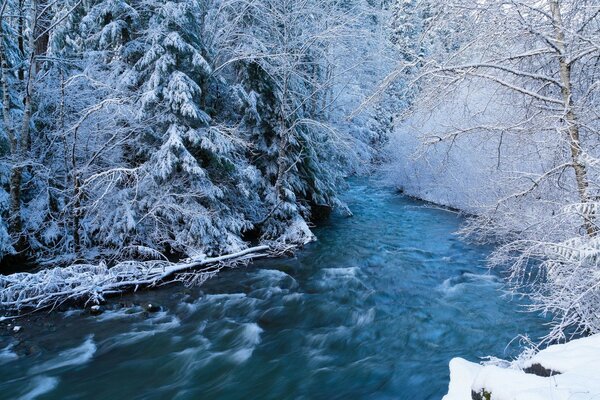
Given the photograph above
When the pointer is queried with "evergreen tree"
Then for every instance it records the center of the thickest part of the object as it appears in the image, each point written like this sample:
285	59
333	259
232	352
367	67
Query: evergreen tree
293	146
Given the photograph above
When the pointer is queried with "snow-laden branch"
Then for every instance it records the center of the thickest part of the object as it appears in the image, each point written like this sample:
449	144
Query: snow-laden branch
92	283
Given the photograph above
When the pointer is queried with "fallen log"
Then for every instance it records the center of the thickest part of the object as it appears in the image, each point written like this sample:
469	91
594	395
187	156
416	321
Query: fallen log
91	284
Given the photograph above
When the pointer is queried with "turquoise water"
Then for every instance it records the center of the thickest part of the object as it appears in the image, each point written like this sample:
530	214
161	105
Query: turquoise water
374	310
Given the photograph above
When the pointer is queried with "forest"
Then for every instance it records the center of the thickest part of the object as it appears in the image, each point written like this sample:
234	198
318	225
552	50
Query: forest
148	143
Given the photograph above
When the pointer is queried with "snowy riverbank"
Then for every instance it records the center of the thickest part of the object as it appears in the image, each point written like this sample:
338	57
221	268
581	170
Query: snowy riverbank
91	284
566	371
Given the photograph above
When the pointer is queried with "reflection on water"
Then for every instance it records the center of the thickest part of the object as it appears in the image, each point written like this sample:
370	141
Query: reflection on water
375	309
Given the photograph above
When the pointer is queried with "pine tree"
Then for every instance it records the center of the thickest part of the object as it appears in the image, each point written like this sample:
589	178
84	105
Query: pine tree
109	25
147	149
192	159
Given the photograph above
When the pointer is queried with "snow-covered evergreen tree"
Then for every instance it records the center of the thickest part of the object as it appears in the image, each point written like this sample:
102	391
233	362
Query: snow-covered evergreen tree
179	127
282	52
191	158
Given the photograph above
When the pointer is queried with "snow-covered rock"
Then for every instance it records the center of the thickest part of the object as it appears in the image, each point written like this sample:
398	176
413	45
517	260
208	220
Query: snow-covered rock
96	310
462	375
575	369
151	308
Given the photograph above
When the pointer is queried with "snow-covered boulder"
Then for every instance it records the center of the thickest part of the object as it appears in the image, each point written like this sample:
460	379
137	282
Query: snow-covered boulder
572	372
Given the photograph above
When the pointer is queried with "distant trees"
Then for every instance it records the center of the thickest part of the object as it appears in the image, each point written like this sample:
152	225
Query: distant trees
531	68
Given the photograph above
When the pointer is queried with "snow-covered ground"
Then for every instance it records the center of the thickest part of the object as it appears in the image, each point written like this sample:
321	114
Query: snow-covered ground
574	366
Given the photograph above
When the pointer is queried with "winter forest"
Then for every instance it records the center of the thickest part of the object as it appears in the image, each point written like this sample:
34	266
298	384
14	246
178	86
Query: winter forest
328	199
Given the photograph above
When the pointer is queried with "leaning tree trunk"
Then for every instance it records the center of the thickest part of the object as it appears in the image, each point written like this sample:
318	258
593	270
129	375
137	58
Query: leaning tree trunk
570	117
16	178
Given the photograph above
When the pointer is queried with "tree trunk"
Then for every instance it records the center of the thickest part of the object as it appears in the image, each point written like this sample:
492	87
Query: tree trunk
15	223
76	216
572	127
75	209
21	40
283	121
20	146
8	125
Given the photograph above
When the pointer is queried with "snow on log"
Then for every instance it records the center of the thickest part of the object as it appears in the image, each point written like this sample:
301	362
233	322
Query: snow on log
91	283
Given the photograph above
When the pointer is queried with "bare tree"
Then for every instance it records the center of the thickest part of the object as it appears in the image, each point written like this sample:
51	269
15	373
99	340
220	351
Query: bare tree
524	75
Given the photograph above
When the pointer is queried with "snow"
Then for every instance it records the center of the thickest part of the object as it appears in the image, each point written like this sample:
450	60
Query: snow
577	354
462	374
170	111
481	138
578	364
91	283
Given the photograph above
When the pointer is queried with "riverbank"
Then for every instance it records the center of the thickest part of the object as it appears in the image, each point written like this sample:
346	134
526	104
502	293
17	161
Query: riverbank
566	371
569	371
91	284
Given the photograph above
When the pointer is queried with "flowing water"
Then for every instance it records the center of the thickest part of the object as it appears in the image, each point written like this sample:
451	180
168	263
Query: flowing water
374	310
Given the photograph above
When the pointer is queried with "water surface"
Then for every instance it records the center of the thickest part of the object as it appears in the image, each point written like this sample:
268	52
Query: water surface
374	310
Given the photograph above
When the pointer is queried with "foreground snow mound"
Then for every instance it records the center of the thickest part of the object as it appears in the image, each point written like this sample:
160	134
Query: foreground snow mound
566	371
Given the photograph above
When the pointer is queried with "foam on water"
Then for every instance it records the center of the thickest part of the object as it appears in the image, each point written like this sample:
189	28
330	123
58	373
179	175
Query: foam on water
365	318
251	334
7	355
457	284
40	385
128	338
188	307
226	296
292	297
272	274
250	338
242	355
69	358
163	322
122	313
349	272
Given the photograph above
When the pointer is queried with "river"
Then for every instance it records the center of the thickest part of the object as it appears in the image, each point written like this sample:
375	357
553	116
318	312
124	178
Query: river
375	309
